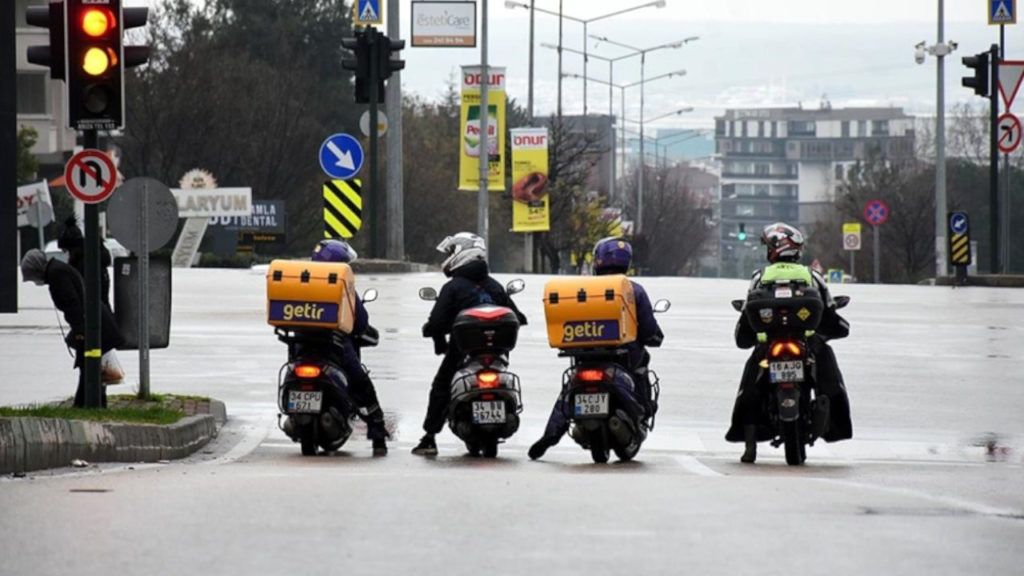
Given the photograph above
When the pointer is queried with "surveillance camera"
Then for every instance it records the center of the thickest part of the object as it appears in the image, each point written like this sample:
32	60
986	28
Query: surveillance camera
952	45
919	55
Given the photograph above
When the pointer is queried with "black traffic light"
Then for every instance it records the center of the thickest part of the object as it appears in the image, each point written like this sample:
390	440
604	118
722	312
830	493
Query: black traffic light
96	59
741	234
979	82
50	16
360	65
387	47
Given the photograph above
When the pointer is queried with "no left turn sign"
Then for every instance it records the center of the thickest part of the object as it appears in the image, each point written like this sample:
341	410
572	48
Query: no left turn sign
90	176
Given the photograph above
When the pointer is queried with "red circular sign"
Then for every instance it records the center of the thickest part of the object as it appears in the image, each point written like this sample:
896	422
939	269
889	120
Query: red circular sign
876	212
90	176
1009	133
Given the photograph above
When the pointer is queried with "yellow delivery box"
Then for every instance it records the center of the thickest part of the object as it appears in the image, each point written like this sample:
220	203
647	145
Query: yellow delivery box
305	294
590	311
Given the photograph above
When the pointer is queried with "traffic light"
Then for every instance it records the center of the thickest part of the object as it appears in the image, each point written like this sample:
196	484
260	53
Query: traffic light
741	234
360	65
979	82
50	16
96	59
387	65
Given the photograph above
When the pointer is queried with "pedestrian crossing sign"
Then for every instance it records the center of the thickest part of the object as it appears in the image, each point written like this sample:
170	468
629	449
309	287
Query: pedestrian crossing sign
367	12
1002	11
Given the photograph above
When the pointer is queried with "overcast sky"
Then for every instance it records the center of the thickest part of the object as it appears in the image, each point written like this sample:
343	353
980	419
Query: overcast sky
749	53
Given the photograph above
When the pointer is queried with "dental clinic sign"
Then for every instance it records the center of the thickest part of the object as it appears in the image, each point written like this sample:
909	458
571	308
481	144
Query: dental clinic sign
443	24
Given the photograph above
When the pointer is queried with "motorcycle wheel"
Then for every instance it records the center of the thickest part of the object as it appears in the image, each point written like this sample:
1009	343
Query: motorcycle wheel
491	448
473	449
627	453
308	442
796	452
599	447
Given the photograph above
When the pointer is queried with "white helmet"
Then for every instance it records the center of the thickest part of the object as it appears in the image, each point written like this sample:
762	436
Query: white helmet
461	249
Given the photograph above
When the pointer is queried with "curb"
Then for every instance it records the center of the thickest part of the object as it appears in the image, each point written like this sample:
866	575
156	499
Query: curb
30	444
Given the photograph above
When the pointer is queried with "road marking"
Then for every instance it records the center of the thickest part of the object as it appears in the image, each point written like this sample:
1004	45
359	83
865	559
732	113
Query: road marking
696	467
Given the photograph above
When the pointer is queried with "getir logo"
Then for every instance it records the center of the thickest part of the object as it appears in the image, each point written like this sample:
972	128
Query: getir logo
319	312
590	331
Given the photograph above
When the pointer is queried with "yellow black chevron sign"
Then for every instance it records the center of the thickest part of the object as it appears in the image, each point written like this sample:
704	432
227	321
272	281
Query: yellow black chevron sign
960	249
343	208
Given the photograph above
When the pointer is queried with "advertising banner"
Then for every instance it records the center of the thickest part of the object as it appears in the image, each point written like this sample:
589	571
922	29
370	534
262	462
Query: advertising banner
469	127
444	24
531	204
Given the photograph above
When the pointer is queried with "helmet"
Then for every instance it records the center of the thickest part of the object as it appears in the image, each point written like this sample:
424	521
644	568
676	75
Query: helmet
333	251
612	256
461	249
784	242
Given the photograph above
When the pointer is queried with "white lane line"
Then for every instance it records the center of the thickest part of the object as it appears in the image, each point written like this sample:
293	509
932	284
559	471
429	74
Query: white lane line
974	507
252	437
696	467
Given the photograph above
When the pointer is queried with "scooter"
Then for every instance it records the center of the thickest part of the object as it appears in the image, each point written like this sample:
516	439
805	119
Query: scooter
786	315
486	397
607	411
313	394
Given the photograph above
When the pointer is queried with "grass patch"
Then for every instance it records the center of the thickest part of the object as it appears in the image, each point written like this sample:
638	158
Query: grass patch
154	414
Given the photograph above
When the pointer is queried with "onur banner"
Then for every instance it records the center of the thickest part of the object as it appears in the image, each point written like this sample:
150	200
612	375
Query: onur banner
531	203
469	147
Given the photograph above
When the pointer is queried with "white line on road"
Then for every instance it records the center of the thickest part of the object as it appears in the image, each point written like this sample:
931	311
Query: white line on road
694	466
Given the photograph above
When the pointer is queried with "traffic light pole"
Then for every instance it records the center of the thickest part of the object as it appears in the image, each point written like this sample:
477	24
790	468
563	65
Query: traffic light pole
8	162
90	365
371	198
993	168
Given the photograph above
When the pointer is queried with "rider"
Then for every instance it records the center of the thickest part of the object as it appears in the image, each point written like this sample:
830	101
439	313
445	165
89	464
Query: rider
613	256
784	246
470	285
347	355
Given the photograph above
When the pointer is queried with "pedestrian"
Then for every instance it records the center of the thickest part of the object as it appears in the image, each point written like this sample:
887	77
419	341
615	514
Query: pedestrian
67	290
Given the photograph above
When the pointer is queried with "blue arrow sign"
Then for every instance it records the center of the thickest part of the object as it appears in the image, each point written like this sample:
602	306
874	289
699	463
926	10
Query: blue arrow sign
1002	11
958	223
341	156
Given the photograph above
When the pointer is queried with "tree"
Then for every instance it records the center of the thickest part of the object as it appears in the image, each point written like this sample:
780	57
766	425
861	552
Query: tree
27	164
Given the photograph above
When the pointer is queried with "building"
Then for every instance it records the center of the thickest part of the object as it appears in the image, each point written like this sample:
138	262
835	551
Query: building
786	164
41	102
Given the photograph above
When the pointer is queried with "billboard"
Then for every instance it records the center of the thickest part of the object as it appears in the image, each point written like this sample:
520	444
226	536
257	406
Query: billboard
469	127
443	24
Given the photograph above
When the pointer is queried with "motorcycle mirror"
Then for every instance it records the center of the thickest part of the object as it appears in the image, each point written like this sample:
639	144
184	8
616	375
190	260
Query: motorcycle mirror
515	286
370	295
428	293
841	301
737	305
662	305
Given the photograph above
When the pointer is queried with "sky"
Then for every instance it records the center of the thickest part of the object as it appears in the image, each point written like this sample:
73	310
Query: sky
750	53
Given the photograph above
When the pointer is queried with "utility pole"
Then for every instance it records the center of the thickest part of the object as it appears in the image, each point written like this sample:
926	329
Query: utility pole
395	193
484	156
8	162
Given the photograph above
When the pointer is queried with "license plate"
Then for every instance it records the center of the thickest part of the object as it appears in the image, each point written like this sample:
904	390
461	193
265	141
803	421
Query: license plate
488	412
304	401
790	371
591	404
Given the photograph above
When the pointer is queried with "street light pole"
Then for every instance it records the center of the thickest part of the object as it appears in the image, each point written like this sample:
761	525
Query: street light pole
484	156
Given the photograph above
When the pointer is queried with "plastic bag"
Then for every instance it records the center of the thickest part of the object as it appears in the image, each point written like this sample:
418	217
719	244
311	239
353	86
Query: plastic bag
111	372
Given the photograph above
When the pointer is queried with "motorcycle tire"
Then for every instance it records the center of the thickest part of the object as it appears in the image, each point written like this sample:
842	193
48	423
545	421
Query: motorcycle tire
491	448
308	442
599	447
796	451
627	453
473	449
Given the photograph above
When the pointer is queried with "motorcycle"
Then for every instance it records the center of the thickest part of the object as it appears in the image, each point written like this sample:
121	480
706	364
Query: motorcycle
313	393
486	397
785	315
606	412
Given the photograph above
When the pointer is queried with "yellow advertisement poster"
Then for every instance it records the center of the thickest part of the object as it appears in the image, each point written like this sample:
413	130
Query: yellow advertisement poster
469	127
531	203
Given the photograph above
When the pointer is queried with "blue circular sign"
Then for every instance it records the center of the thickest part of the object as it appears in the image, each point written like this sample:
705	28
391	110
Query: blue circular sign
876	212
341	156
958	222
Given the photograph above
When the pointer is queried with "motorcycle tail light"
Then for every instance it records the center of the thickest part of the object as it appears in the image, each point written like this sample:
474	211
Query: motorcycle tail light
785	347
307	371
589	389
590	375
487	396
487	379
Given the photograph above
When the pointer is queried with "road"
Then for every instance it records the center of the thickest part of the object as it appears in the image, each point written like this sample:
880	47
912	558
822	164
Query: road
933	374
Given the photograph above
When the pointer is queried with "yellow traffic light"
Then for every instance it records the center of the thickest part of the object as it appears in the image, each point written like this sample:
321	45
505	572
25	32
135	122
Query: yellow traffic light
97	60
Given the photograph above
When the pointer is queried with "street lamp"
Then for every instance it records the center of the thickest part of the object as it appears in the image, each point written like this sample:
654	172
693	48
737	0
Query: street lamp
643	57
585	22
677	112
939	50
622	93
